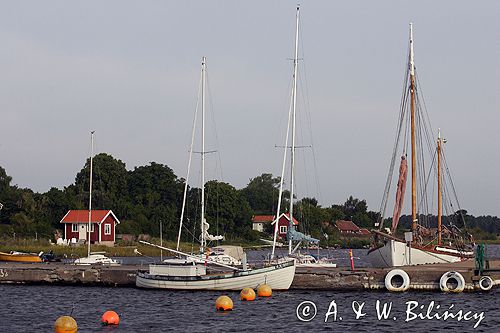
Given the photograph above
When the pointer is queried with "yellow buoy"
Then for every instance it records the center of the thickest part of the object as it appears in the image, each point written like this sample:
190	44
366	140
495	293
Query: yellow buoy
65	324
247	294
110	318
264	290
224	303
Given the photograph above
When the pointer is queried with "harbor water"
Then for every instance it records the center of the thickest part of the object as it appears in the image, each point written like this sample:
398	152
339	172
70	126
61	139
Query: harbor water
36	308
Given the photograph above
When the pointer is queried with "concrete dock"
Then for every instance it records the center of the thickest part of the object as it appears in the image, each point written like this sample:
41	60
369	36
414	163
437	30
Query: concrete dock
424	277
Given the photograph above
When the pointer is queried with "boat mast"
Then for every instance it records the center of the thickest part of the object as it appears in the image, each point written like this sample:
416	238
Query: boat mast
203	79
294	104
90	190
413	140
440	195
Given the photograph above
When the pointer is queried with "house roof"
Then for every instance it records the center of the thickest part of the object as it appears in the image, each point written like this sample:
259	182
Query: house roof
287	215
364	231
347	226
262	218
82	216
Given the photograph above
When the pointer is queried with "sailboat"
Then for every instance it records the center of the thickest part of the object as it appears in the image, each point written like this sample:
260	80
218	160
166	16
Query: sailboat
388	250
192	271
93	257
292	234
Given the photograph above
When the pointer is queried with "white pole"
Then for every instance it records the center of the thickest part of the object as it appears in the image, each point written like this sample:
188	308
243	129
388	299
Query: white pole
203	68
90	190
292	164
187	178
278	209
161	241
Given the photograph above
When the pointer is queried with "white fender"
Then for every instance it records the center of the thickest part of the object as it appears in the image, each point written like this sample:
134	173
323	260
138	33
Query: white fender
486	283
392	274
443	282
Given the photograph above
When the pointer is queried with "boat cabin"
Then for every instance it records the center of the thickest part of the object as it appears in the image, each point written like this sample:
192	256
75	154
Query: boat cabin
102	226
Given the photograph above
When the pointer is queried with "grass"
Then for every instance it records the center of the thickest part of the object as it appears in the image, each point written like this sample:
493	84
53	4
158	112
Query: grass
119	250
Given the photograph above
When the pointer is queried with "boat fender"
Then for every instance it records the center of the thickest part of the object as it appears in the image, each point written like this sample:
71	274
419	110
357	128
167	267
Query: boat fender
443	282
397	272
486	283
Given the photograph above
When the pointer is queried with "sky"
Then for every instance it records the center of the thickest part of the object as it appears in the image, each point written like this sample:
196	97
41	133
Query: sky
130	70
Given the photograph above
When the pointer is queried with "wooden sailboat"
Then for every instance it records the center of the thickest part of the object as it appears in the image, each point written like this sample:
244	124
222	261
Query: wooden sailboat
389	250
192	272
93	257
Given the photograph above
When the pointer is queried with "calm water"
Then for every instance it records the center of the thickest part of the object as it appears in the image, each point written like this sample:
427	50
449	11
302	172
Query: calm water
35	309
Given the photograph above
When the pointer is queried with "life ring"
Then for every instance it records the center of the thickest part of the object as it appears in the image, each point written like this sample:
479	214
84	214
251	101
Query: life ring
486	283
394	273
443	282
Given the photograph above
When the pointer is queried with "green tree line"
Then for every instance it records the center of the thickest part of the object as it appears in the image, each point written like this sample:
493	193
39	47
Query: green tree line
147	195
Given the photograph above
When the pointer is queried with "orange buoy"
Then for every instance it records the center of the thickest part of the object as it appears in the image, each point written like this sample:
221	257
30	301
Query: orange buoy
110	318
224	303
264	290
247	294
65	324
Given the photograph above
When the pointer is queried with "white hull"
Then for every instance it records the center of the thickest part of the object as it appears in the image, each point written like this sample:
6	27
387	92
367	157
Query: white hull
94	258
395	253
278	277
317	265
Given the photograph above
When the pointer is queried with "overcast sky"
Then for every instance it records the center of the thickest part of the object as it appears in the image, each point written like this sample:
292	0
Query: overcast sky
130	71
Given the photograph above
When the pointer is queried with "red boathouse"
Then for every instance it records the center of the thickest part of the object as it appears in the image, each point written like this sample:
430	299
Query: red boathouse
102	227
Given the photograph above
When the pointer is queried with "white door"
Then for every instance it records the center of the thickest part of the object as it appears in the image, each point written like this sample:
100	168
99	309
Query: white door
82	231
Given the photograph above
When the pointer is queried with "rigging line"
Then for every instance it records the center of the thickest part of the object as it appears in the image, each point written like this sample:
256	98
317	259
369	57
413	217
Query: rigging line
285	104
454	190
212	113
308	117
423	101
189	163
402	110
421	173
301	134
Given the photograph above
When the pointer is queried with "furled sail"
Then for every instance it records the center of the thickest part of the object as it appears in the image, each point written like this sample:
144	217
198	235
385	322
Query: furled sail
207	235
400	193
299	236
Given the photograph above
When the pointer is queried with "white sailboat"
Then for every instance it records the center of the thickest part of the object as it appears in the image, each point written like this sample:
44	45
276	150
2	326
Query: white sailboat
93	257
389	250
192	272
292	234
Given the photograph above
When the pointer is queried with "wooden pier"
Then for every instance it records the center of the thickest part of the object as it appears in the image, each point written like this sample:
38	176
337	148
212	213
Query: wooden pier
424	277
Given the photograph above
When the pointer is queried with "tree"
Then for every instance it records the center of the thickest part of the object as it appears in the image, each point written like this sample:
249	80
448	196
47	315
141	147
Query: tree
262	193
227	210
109	182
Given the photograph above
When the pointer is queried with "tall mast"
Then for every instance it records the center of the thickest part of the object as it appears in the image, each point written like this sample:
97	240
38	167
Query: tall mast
294	104
440	195
203	79
413	140
90	190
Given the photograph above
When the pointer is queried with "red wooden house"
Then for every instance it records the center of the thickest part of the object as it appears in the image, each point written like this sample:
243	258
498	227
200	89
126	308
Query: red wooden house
283	223
259	221
350	229
102	227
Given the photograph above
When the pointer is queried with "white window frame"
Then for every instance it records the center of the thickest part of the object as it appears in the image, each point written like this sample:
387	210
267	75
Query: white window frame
73	227
91	227
283	229
107	228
